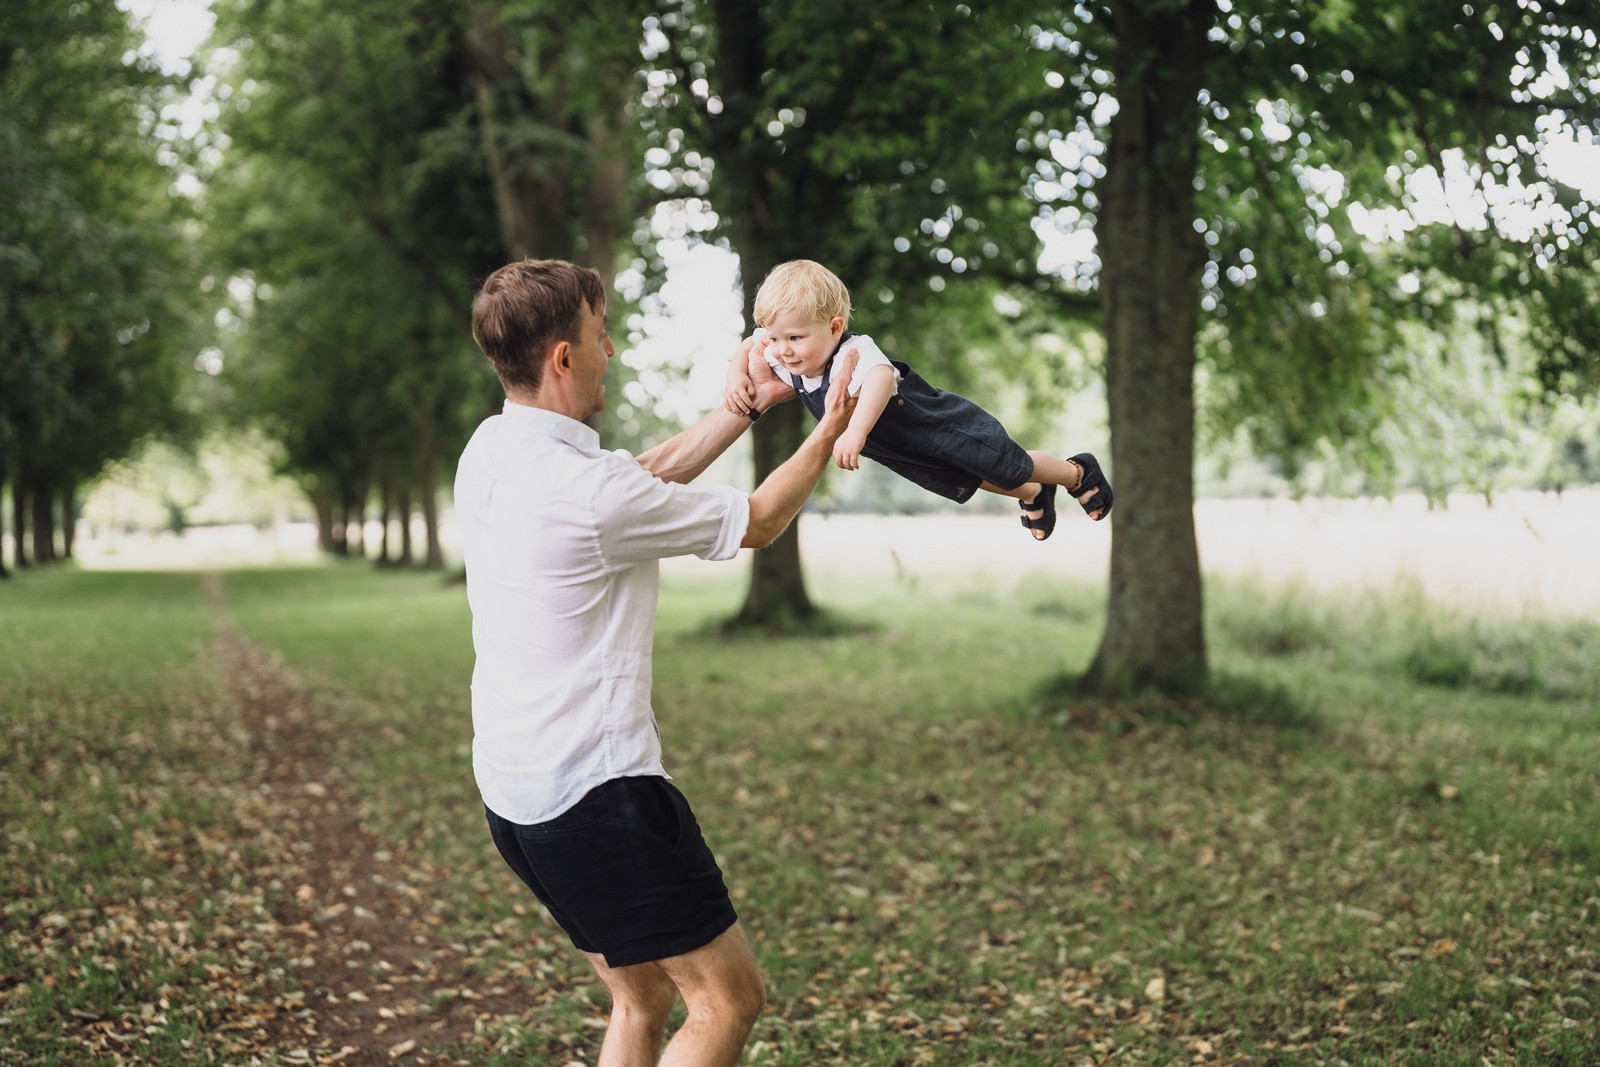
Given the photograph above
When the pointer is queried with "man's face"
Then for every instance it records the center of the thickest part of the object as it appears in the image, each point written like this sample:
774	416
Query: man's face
803	344
590	356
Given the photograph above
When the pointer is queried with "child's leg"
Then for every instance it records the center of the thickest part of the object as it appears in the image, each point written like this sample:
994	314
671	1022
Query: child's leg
1047	469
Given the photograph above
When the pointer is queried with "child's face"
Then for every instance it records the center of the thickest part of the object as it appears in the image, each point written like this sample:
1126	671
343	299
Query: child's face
803	344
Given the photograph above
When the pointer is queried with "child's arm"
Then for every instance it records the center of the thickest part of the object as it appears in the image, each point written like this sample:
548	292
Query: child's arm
739	391
875	391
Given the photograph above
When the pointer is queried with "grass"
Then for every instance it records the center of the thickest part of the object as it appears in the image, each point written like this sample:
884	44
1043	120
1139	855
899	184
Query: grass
1352	851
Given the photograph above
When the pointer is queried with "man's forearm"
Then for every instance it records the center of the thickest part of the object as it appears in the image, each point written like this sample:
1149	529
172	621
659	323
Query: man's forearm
685	456
781	495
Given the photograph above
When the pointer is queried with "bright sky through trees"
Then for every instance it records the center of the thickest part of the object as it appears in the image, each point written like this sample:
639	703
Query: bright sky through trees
694	320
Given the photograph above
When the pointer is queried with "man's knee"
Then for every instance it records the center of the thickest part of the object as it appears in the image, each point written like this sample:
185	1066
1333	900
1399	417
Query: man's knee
644	990
653	998
736	1000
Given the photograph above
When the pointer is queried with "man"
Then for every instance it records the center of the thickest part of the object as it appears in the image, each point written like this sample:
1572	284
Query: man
562	542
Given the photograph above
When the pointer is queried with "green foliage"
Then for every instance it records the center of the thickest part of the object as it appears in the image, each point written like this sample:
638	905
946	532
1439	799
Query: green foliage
884	148
93	316
348	218
1321	121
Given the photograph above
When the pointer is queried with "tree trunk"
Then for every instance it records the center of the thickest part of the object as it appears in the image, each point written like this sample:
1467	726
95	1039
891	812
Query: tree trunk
69	519
745	184
355	525
428	488
19	511
530	178
44	523
1150	281
407	556
341	527
3	572
322	504
386	515
777	593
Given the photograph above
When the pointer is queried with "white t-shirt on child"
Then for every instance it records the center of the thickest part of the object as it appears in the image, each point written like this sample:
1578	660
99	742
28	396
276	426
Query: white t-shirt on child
870	355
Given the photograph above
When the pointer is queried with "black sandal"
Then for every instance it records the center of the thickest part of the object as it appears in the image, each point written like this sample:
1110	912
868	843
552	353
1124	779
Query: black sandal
1047	501
1093	478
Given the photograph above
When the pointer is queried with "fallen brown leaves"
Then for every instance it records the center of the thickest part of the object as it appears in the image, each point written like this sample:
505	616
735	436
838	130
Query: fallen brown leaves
213	895
366	976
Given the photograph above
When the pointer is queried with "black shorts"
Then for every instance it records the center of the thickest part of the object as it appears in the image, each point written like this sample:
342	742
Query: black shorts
625	871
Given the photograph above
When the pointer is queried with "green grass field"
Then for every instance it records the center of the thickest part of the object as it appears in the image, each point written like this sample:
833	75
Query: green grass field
1378	843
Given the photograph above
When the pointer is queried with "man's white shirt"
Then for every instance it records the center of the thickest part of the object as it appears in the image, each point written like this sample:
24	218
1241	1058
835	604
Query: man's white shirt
562	541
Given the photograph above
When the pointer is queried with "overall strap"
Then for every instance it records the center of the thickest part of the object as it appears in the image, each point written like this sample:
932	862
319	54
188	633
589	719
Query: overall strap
827	368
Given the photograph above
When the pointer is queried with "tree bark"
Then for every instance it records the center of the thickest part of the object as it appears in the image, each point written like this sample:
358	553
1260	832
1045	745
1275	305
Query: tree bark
3	480
69	519
1150	281
322	505
386	516
745	184
355	528
777	593
19	511
407	556
44	523
524	196
429	488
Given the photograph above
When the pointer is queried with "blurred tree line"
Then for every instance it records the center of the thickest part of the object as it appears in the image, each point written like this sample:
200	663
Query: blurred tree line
1244	185
96	279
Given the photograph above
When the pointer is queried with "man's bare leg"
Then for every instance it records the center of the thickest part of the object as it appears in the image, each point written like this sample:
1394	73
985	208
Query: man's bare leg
723	992
641	998
720	987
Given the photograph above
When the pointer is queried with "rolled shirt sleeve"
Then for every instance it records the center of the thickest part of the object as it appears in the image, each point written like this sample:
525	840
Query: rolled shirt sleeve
640	517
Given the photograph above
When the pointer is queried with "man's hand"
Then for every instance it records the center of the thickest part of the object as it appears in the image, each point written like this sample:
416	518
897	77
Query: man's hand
769	388
839	404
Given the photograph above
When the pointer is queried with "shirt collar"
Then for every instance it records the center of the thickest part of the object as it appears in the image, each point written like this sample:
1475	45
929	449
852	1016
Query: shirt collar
554	424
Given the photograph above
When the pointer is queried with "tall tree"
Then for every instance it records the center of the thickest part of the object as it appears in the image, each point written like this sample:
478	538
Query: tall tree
819	134
1276	114
352	211
90	263
1151	260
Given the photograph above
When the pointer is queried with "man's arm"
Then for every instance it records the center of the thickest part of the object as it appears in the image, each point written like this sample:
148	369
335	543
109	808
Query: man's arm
685	456
779	498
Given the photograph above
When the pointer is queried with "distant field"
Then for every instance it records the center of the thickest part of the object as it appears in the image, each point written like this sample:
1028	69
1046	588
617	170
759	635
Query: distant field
240	827
1529	554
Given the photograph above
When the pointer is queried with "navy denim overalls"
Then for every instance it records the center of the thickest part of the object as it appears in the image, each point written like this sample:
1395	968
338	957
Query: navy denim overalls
941	441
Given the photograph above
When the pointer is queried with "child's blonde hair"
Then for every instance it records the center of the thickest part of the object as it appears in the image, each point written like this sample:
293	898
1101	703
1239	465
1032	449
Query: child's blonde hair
805	287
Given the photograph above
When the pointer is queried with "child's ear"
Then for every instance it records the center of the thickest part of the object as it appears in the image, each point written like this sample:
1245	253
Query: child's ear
836	326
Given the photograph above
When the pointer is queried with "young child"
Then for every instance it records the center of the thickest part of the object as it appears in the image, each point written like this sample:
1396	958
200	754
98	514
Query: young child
942	442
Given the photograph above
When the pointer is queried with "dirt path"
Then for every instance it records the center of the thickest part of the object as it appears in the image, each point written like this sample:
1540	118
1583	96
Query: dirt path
378	983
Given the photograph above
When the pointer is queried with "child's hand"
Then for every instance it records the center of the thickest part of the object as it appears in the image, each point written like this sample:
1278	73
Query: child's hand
739	392
740	399
847	450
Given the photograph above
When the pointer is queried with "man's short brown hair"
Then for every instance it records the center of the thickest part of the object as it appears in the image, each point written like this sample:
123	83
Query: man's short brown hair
525	307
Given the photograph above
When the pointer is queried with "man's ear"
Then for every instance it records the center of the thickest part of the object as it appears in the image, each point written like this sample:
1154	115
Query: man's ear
559	356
